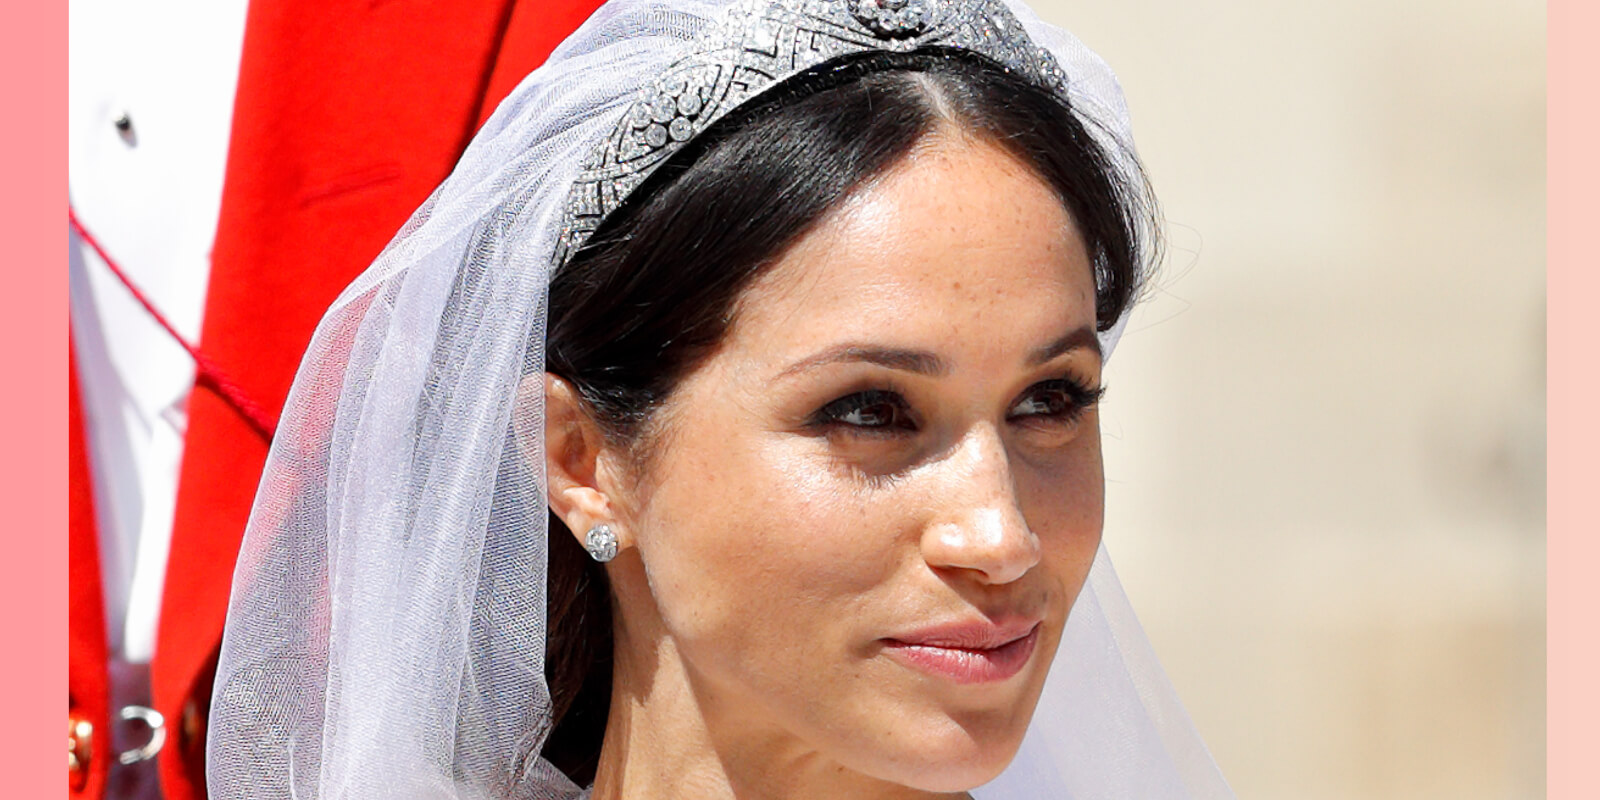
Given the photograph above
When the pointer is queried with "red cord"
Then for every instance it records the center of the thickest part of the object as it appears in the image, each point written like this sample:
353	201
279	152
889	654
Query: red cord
207	373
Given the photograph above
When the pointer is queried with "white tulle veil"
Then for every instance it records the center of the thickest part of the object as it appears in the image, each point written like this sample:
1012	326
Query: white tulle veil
386	634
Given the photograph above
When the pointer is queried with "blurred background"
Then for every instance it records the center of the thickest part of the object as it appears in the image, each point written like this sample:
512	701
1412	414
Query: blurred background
1325	432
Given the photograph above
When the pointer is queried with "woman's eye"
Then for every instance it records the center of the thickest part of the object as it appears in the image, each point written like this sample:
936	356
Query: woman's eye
1058	400
873	410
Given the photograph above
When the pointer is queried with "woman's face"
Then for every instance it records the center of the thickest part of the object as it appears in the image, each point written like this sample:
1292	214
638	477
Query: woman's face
865	517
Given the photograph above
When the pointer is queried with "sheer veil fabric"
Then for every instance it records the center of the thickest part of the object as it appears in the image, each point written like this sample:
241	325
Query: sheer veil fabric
386	632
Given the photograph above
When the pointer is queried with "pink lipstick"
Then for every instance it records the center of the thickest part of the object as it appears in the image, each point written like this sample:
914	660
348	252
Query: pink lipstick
967	652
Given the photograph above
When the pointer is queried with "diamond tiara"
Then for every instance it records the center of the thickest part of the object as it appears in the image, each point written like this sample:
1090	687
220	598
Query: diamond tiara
760	44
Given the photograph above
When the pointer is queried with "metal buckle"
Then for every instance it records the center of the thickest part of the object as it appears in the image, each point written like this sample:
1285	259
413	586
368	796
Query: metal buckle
158	733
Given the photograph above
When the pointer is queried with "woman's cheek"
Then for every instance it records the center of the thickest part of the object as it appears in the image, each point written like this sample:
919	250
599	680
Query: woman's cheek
785	537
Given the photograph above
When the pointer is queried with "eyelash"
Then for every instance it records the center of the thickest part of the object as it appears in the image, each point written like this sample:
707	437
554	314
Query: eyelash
1076	398
1071	399
837	413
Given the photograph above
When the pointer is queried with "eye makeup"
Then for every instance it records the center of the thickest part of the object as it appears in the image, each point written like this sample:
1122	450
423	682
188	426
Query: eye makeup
873	411
886	412
1060	400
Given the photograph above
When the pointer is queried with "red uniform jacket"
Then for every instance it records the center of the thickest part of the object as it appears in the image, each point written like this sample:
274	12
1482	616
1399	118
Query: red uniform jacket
347	115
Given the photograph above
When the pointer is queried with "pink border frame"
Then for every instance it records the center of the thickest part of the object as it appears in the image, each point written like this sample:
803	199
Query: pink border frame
33	46
1573	170
33	403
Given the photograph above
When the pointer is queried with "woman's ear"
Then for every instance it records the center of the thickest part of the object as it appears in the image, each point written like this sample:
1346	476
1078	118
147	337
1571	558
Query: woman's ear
576	478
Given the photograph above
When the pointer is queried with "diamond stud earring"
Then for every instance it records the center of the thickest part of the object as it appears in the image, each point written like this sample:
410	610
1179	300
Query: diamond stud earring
601	543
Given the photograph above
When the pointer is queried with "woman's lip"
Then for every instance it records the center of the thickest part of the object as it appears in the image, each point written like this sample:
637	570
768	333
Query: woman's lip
967	654
979	634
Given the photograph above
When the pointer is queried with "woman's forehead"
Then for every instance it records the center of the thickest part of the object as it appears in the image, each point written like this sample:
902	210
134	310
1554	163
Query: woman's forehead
958	240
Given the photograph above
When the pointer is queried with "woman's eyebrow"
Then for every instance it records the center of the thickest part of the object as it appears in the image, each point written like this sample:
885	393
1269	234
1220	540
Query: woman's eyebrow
923	362
1084	337
918	361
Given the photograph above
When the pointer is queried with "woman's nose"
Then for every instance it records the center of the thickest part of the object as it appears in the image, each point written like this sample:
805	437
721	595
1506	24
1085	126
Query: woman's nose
978	524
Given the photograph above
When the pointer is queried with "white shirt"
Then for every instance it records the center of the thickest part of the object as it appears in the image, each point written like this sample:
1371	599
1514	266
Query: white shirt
150	194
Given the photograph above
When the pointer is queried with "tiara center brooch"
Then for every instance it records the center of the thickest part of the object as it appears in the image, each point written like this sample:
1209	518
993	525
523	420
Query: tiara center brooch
891	19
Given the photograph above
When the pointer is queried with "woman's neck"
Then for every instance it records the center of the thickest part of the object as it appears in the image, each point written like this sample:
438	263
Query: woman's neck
669	735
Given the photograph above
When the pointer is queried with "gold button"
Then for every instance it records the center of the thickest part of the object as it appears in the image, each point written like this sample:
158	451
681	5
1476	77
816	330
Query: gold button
191	730
80	748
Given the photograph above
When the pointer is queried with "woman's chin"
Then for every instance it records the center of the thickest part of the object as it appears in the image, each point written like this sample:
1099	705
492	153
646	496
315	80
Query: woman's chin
956	759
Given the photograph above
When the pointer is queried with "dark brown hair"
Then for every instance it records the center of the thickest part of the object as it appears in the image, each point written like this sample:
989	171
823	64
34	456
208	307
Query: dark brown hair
651	293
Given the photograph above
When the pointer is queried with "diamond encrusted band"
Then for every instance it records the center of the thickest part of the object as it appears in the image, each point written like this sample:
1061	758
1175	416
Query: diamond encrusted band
761	43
